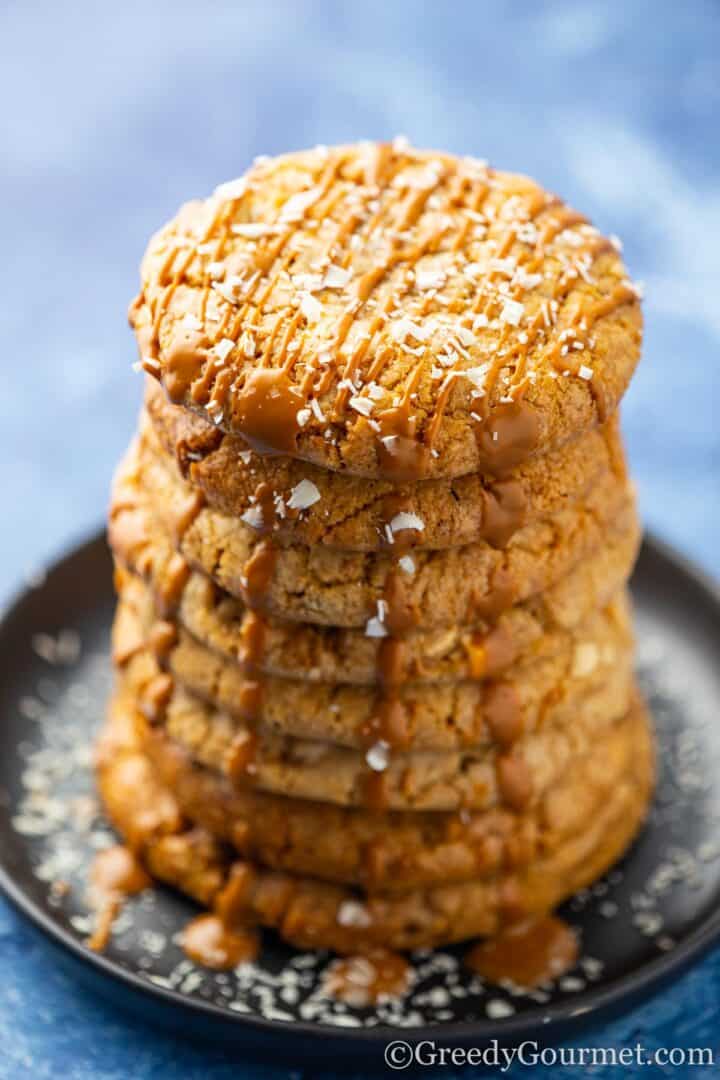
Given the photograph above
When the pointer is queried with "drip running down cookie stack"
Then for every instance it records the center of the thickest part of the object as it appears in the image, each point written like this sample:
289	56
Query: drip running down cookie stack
372	542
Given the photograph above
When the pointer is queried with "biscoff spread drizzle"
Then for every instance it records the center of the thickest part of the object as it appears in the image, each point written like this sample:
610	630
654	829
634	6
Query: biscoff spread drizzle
376	287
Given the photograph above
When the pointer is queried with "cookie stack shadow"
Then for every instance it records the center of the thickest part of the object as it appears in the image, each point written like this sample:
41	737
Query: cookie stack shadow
391	708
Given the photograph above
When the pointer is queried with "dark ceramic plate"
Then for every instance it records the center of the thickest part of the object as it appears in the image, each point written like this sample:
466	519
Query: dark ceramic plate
649	918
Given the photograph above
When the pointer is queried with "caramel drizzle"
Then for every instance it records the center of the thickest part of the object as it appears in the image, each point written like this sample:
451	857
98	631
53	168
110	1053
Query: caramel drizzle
258	578
389	724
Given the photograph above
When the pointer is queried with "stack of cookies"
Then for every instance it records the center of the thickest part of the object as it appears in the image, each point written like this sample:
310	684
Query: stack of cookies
372	542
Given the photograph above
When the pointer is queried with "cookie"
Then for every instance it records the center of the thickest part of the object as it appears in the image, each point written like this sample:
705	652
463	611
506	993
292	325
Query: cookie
538	627
387	852
388	312
413	913
379	591
504	745
547	690
359	514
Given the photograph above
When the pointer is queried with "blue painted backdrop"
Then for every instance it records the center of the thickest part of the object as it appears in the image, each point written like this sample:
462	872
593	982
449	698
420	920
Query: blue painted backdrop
112	115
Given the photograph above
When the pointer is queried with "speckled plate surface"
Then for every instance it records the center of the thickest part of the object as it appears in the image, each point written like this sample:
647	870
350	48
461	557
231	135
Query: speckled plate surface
649	917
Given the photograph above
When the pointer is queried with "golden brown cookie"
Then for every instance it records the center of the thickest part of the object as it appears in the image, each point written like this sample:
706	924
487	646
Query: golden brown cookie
500	743
379	591
538	627
546	690
314	914
389	312
359	514
412	780
382	852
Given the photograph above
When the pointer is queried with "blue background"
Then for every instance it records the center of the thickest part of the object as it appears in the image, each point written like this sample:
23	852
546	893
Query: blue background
113	115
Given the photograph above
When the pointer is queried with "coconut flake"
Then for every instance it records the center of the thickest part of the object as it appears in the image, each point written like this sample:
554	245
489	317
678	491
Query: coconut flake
246	343
407	564
336	277
310	307
477	376
430	279
223	348
215	412
253	517
465	336
503	266
295	207
253	230
404	520
526	280
216	270
232	189
374	628
405	327
353	913
499	1009
585	372
319	414
512	312
361	404
378	756
226	290
308	282
303	495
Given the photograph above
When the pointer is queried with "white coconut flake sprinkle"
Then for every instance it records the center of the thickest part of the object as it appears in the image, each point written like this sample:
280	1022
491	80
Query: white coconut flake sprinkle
378	756
295	207
585	372
232	189
336	277
223	348
253	517
526	280
310	307
404	520
430	279
477	375
375	627
303	495
407	564
361	404
498	1009
404	327
247	343
253	230
512	312
353	913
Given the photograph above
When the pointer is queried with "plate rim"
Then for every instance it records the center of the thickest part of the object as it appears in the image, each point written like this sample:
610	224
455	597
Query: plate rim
584	1007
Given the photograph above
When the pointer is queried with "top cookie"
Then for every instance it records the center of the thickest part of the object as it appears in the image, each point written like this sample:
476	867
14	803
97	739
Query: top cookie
388	311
